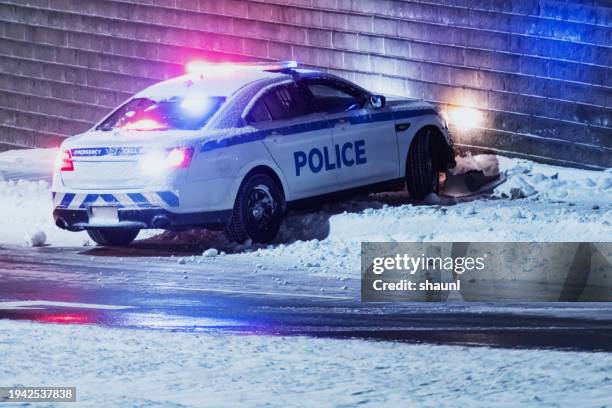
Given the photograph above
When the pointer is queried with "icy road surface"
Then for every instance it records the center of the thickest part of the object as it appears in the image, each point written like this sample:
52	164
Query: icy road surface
140	291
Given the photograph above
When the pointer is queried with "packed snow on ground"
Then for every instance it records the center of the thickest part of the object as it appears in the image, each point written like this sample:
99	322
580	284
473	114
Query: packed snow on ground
26	210
536	203
131	367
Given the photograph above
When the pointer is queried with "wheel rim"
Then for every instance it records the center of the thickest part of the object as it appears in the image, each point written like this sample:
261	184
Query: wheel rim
261	207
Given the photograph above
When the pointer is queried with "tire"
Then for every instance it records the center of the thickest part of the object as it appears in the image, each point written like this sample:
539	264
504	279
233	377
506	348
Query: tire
113	236
258	210
421	172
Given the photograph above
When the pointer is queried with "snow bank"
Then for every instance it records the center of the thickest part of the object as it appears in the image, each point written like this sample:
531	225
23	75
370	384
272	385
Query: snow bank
26	211
487	163
537	203
27	164
554	183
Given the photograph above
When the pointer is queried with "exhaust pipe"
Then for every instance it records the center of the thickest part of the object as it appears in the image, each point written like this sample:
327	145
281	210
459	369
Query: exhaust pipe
160	221
61	223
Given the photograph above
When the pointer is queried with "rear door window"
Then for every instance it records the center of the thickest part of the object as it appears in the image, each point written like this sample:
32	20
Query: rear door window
259	113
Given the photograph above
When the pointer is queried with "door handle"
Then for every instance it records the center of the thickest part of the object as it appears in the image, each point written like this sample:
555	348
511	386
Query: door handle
341	122
401	127
273	136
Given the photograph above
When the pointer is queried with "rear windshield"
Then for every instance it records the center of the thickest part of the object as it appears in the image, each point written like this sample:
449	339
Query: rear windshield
186	113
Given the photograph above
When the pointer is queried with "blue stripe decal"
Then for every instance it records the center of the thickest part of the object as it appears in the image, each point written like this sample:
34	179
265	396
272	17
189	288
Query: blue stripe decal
68	197
169	198
110	199
89	199
357	119
411	114
140	200
235	140
354	119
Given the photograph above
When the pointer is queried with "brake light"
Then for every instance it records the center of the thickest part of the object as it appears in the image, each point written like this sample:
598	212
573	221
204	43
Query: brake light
65	161
179	157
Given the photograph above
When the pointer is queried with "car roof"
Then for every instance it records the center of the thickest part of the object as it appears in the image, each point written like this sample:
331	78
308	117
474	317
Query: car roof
214	83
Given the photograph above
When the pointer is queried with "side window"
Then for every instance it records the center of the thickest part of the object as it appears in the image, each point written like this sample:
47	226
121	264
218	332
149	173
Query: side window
282	102
334	98
259	113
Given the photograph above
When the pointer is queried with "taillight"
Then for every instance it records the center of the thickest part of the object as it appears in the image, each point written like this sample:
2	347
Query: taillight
179	157
65	161
157	162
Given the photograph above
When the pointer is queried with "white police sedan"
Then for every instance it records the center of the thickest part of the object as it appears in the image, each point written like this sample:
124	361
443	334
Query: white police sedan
232	146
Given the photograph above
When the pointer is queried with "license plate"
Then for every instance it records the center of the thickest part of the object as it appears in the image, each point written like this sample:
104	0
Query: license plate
104	215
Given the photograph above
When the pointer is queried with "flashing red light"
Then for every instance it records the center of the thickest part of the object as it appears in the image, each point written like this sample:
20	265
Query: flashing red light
202	67
179	157
144	124
65	160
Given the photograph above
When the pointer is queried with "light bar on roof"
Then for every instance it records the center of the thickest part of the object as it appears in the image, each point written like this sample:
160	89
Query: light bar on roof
202	67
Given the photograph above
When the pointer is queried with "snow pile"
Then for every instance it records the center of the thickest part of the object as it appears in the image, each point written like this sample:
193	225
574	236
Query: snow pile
25	201
27	164
537	203
560	184
36	238
26	211
487	163
210	253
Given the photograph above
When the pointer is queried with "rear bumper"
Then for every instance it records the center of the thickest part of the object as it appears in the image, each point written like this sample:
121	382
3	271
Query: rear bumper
79	219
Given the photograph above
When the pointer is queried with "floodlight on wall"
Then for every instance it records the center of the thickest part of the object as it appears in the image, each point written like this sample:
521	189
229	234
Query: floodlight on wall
464	118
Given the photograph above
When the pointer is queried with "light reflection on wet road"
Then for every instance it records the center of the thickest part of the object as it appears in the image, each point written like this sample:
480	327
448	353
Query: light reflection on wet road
154	294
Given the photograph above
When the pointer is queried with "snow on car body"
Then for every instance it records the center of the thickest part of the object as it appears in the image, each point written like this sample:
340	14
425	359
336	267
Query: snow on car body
230	146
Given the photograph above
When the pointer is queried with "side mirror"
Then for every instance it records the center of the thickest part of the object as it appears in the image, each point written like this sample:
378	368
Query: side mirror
378	101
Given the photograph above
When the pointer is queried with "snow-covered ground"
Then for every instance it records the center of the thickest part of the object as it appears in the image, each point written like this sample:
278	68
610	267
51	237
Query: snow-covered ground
537	203
119	367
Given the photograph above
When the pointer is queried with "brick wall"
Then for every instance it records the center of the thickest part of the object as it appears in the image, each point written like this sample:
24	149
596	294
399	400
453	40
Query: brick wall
538	70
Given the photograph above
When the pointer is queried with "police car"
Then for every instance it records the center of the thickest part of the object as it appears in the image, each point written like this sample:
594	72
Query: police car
232	146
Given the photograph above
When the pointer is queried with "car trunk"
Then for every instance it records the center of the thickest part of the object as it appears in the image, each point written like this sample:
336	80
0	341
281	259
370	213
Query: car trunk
111	160
105	173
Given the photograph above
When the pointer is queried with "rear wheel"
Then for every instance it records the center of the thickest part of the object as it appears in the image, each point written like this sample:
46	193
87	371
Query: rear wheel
113	236
258	210
421	172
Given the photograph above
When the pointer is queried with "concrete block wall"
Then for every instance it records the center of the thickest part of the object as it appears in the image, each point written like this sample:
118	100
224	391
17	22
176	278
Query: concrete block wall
539	71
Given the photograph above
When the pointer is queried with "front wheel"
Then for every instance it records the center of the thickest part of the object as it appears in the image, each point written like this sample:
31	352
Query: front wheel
113	236
421	172
258	210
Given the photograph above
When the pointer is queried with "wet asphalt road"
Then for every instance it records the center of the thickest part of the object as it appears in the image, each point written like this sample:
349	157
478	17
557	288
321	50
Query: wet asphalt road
144	287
